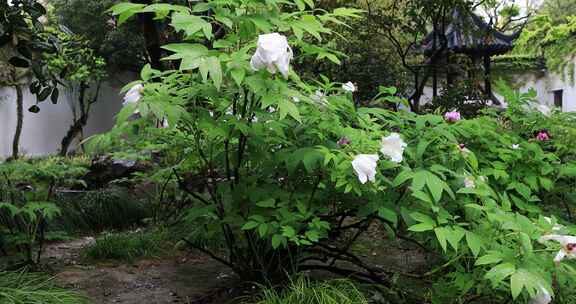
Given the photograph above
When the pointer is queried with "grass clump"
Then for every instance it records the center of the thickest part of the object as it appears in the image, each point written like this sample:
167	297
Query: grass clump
113	208
305	291
30	288
127	246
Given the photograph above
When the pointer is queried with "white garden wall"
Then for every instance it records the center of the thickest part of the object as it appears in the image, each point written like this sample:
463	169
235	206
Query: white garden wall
544	82
43	132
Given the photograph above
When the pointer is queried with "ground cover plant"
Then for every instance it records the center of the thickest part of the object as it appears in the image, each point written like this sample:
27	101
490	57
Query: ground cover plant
21	287
127	246
302	290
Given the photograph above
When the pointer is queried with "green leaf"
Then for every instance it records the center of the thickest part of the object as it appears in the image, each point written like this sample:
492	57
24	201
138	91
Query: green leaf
454	236
419	180
288	232
388	214
435	185
224	20
126	112
191	24
269	203
311	159
521	279
423	196
238	75
289	108
421	148
250	225
500	272
474	242
523	190
263	229
490	258
422	218
421	227
215	69
441	236
472	160
402	177
526	242
125	10
277	240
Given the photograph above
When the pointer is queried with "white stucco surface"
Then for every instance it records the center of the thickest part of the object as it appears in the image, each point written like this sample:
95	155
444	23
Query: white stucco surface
544	82
43	132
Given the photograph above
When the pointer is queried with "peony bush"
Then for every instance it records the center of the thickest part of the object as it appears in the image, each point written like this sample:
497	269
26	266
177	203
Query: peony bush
274	174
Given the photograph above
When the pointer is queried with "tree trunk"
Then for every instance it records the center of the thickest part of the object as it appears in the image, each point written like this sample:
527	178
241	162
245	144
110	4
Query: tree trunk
19	123
151	36
77	127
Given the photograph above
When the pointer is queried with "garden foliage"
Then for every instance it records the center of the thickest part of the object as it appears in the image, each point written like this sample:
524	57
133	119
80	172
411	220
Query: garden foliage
274	175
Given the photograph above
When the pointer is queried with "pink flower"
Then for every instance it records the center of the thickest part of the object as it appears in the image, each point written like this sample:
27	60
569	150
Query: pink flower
462	148
343	141
543	136
452	117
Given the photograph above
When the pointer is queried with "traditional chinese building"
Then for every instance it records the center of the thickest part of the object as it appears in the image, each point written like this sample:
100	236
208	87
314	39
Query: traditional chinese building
462	51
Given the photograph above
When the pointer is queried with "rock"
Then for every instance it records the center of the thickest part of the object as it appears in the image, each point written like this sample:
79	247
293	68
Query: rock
105	169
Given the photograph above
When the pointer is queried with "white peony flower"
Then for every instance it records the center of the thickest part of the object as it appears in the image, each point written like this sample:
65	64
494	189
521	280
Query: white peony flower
542	297
163	124
393	147
349	87
365	167
272	53
469	182
134	94
568	243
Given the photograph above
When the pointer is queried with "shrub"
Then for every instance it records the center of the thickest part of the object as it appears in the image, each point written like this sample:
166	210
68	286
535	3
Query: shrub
289	174
126	246
29	288
27	194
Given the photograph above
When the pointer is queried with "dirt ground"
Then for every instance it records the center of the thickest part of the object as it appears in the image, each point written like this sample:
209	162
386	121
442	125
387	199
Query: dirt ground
184	279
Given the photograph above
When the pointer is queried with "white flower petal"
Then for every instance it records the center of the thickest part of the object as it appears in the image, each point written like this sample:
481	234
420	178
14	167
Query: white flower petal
349	87
365	167
469	182
560	256
562	239
393	147
543	297
272	52
134	94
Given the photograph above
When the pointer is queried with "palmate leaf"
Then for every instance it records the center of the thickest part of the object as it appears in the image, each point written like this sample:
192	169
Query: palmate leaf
211	66
125	10
500	272
191	25
521	279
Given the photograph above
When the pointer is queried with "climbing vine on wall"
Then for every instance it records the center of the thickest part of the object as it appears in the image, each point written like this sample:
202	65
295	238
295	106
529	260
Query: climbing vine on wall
553	42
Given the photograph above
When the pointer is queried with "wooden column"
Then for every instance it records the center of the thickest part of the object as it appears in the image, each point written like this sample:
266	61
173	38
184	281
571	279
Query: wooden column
487	80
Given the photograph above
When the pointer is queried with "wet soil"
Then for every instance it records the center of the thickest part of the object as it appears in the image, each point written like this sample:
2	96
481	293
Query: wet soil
181	279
